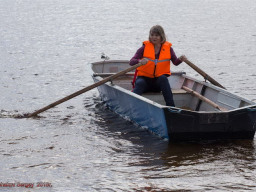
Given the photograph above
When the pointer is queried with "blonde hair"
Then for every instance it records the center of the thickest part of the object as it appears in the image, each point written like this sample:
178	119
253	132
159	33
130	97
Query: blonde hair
159	30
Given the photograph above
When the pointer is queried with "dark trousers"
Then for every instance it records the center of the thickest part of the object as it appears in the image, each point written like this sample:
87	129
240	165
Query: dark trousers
157	84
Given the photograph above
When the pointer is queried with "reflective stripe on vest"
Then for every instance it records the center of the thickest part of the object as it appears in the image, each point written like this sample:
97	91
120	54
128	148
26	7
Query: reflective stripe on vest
156	67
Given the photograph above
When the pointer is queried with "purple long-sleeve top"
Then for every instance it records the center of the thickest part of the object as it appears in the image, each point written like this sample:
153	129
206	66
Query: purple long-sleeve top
139	55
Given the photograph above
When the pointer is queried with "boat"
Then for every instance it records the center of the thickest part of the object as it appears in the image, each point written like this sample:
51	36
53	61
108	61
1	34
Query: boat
202	111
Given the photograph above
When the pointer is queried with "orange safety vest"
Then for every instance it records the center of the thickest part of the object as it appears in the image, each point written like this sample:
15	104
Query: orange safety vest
156	67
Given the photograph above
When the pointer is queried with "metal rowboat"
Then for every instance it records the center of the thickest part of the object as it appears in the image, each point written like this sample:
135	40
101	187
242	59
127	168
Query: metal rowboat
203	111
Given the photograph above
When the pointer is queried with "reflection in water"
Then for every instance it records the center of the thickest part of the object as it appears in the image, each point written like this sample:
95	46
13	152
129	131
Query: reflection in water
157	159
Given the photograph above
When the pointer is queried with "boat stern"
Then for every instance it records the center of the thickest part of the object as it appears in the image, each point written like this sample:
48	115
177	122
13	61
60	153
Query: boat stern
184	125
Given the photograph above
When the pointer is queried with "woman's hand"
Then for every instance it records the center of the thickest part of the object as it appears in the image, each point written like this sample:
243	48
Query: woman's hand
183	58
144	61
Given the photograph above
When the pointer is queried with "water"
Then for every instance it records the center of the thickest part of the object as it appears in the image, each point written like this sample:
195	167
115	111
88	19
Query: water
46	48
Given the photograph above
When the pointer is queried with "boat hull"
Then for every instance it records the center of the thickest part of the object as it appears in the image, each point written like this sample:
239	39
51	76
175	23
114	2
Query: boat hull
203	111
131	107
176	124
185	125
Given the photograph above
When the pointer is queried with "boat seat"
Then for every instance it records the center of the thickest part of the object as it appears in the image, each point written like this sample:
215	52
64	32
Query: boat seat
174	91
180	96
178	91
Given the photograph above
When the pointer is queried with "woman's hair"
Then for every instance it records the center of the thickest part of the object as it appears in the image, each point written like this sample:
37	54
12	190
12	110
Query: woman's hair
157	29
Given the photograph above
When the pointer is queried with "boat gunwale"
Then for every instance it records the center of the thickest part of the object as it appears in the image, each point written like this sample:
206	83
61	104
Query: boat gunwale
109	61
184	75
163	106
229	93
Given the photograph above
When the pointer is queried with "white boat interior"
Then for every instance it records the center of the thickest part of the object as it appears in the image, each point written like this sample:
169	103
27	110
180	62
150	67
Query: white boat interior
178	80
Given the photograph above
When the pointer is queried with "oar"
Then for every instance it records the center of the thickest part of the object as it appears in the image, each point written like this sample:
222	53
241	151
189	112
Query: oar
205	75
110	78
215	105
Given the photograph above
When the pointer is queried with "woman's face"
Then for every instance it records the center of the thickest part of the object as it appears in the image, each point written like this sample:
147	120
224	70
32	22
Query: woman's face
155	38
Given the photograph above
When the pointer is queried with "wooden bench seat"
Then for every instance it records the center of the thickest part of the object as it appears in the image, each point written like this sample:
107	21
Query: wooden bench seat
174	91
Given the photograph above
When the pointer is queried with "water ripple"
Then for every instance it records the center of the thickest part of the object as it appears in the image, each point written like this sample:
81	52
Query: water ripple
46	48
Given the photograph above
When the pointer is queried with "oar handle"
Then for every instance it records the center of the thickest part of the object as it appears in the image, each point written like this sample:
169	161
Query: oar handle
205	75
110	78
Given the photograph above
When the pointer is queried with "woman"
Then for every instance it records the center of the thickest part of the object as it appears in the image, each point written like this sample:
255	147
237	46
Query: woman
155	55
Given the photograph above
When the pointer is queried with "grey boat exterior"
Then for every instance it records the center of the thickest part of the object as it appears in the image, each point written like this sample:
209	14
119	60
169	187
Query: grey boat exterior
191	119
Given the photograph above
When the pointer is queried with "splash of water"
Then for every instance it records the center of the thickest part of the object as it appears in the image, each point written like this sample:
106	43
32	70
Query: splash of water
12	114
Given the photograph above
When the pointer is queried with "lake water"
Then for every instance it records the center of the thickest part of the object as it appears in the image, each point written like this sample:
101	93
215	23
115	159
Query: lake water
46	47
